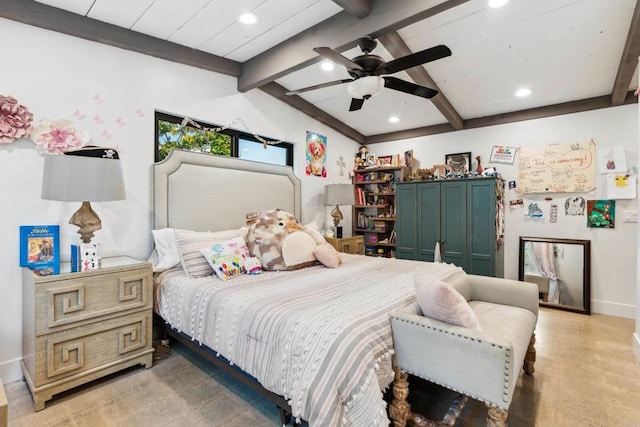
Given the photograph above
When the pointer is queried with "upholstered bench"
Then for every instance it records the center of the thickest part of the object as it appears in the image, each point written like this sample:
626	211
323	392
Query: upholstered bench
483	363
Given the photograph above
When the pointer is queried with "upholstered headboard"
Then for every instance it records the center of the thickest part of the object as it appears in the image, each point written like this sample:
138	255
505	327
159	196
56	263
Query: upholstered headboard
203	192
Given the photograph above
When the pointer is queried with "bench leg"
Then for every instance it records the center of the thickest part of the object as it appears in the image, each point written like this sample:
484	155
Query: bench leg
530	357
400	410
496	417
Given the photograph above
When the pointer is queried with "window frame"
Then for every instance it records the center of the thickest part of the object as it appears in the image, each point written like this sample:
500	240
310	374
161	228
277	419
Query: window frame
235	135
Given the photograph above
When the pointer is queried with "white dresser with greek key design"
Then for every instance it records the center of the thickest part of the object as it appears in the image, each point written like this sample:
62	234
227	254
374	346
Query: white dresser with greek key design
77	327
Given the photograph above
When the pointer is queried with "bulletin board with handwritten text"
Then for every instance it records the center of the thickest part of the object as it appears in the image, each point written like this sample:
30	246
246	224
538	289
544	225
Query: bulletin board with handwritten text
557	168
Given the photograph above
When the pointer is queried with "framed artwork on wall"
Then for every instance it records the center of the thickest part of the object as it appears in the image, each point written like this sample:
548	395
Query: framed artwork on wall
458	162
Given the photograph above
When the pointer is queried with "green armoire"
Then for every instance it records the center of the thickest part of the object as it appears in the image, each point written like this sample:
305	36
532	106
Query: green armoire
465	217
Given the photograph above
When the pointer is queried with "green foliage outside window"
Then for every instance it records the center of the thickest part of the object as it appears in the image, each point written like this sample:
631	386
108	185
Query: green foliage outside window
174	135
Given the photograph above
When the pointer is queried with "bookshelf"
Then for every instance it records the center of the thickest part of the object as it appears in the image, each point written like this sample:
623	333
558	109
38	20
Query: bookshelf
374	214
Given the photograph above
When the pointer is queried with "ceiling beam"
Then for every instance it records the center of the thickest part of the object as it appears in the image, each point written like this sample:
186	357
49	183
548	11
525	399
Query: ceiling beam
340	32
398	48
500	119
358	8
51	18
278	91
629	60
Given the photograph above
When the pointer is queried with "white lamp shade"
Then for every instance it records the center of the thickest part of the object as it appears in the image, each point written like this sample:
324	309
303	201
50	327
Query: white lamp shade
339	194
80	178
365	87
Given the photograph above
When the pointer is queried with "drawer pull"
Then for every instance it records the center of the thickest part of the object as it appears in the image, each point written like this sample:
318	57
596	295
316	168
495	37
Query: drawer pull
131	338
130	289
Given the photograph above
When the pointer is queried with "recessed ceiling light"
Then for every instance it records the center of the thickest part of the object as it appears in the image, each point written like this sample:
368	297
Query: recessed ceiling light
521	93
327	65
497	3
394	119
248	18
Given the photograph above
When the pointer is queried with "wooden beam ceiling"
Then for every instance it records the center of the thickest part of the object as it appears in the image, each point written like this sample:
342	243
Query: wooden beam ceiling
398	48
358	8
629	60
65	22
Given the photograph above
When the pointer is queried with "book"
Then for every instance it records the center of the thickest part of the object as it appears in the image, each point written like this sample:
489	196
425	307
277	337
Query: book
85	256
40	248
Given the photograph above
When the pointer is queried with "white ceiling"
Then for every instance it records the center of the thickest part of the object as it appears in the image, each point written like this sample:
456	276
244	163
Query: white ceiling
564	50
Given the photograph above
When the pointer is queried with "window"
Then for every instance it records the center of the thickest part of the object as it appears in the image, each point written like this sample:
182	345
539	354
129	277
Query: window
170	133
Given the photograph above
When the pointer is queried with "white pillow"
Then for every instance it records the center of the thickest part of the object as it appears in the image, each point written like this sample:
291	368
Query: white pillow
189	244
165	254
441	301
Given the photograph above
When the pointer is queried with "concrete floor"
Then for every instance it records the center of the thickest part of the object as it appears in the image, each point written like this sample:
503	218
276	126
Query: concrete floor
586	375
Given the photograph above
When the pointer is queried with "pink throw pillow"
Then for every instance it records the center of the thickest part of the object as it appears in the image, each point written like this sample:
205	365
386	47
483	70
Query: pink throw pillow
439	300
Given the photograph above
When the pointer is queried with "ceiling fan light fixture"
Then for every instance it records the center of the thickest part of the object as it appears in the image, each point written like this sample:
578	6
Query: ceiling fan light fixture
365	87
327	65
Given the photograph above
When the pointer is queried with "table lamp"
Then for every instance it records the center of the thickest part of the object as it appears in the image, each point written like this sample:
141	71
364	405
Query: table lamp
90	174
338	194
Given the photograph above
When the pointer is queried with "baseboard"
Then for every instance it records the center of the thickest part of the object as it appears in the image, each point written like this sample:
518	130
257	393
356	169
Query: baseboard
613	309
10	371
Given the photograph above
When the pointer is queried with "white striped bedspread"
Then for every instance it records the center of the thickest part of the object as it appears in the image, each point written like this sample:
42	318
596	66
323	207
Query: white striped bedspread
320	337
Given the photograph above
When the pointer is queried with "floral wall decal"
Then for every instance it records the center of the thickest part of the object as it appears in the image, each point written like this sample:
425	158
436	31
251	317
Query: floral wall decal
15	120
58	136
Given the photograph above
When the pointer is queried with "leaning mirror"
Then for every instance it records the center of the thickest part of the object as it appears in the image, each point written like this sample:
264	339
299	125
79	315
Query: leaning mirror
561	268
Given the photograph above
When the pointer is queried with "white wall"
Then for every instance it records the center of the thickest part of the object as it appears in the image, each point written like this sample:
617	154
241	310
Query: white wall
58	76
613	251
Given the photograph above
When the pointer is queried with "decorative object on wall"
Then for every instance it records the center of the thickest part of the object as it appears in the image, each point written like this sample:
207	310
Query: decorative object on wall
574	206
15	120
316	155
553	213
92	174
58	136
512	185
601	213
502	154
517	203
341	164
620	186
557	168
187	121
532	210
460	163
612	159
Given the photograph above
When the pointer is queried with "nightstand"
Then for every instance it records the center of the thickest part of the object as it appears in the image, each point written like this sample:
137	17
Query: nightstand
77	327
349	245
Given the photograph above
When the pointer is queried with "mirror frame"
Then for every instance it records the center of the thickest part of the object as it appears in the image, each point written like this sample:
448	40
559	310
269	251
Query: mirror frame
586	271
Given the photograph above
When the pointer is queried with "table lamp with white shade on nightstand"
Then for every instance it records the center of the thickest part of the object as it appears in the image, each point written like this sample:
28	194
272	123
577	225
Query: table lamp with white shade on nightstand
338	194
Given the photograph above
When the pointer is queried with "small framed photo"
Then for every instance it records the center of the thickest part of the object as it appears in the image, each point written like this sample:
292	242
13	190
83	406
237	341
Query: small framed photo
371	160
385	161
458	162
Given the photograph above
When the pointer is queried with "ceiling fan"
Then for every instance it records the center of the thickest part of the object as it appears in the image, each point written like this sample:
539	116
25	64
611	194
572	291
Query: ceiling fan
367	70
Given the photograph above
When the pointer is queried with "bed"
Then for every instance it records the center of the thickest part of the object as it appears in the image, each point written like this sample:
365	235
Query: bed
316	341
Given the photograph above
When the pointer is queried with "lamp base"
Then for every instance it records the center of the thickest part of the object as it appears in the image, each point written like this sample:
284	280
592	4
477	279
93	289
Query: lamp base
87	220
339	232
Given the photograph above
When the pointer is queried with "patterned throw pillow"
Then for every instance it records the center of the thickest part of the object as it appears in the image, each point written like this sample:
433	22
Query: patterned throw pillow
227	259
190	242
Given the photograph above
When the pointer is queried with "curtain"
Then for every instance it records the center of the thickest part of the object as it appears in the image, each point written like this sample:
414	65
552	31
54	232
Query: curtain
543	262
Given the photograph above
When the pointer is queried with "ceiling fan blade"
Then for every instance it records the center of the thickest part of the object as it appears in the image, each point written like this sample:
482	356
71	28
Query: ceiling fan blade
320	86
416	59
335	57
356	104
408	87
